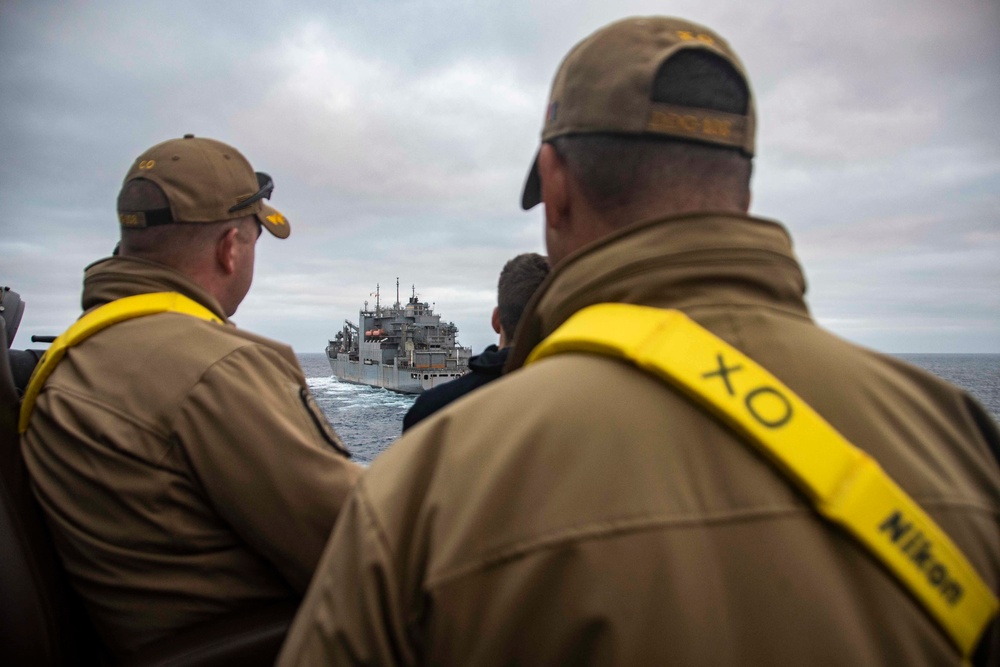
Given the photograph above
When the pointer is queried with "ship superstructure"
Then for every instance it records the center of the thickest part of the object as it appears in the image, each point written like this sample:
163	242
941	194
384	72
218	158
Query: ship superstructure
403	347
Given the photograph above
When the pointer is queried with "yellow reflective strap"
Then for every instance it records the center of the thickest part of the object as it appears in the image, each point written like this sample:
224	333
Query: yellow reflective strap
97	320
844	484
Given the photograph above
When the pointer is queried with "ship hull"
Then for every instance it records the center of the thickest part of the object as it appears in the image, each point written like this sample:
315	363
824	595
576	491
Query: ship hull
390	376
403	348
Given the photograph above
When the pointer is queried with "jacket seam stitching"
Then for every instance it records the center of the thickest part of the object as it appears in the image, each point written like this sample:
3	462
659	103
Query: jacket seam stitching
107	407
612	527
167	439
362	494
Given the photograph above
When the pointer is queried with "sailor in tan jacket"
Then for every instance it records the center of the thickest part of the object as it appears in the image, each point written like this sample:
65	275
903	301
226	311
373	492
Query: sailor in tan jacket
583	511
182	464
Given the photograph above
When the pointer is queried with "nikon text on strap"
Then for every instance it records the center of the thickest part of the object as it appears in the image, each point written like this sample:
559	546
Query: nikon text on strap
844	484
99	319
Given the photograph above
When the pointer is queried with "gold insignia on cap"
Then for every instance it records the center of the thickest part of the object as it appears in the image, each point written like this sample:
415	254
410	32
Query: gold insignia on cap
277	219
688	35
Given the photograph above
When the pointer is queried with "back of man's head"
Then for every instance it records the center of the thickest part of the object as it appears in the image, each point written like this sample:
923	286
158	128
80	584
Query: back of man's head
181	194
519	279
652	115
181	245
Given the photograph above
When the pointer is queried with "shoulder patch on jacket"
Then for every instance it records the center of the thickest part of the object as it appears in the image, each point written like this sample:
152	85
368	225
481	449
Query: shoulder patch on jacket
321	422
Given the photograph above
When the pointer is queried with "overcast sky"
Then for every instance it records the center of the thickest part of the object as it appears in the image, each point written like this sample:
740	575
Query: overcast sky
399	134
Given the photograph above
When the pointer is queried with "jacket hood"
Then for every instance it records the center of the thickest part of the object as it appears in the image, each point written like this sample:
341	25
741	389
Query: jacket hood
118	277
681	262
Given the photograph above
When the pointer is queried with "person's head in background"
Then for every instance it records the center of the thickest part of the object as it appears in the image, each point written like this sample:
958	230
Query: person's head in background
519	279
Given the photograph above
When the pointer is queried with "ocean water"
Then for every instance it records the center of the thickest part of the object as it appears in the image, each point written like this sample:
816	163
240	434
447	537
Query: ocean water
978	374
369	419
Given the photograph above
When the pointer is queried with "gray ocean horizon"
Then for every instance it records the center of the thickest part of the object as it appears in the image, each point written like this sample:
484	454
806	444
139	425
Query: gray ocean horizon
370	419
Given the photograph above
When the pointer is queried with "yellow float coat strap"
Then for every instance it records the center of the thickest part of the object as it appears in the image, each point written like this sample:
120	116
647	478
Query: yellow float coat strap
844	484
99	319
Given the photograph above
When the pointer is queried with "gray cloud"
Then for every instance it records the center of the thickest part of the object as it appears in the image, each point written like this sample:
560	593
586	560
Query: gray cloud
399	134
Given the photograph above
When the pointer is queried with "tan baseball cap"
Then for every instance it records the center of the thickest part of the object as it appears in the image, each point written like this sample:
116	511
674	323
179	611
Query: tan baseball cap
605	83
204	180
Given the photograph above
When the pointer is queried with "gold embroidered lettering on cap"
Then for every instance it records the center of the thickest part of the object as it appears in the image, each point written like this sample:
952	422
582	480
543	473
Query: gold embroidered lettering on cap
719	128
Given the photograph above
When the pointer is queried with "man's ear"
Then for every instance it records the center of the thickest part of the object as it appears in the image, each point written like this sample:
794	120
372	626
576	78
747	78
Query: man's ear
496	319
553	174
226	250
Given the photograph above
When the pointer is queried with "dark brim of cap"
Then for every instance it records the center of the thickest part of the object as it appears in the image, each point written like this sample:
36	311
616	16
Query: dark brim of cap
532	193
274	222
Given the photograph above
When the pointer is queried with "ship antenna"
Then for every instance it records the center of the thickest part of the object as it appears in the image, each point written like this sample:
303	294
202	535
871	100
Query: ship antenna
377	286
397	292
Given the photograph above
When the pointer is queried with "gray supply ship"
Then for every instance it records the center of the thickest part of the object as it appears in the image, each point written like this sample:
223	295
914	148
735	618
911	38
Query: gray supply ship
404	348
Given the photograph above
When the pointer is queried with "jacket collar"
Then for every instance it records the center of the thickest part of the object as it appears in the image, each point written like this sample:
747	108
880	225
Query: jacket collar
490	359
683	262
118	277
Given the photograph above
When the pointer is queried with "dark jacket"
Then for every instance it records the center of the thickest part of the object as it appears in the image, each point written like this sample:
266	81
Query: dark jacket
484	368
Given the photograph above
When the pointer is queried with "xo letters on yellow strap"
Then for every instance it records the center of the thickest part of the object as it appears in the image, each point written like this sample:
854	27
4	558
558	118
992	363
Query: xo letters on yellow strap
99	319
845	485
